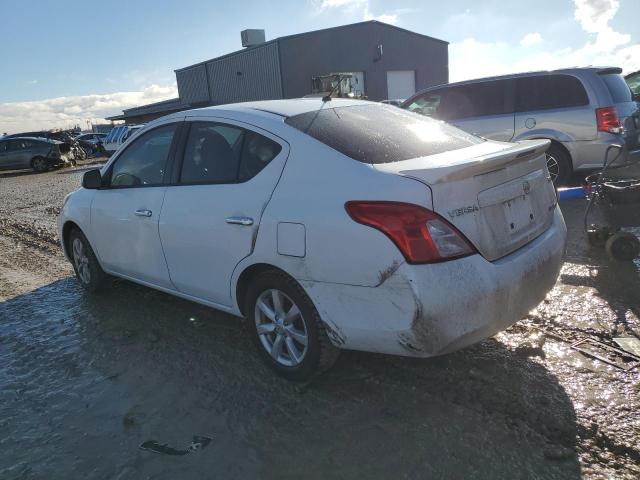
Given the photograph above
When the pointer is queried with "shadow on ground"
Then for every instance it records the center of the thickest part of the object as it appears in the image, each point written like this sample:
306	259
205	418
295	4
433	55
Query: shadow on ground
84	380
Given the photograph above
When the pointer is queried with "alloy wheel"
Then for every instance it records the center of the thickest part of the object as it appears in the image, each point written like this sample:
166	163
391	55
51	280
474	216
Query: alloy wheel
81	261
39	164
553	166
281	328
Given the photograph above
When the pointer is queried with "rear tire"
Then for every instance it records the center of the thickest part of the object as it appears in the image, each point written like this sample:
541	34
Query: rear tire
622	246
285	327
559	165
85	264
39	164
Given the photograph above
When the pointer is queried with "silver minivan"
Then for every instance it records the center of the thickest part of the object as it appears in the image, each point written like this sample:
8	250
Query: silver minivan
581	110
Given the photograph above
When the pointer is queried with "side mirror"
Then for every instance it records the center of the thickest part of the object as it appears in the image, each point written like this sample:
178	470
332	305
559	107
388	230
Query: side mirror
92	180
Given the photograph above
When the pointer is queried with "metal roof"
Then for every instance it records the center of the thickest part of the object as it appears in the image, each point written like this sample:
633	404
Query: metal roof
568	70
369	22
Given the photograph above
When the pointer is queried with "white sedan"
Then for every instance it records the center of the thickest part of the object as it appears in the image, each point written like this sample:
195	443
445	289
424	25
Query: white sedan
326	225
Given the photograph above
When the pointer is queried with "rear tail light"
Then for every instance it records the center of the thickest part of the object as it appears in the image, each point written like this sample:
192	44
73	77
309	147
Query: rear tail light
608	120
420	234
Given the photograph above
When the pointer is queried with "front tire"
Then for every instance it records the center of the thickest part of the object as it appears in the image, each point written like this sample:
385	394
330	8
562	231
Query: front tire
39	164
85	264
286	328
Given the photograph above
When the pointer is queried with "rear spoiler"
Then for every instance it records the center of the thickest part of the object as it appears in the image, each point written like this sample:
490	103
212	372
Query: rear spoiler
609	70
521	151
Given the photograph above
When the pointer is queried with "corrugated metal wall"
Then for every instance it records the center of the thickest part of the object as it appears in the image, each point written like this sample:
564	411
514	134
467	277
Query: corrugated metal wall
354	48
253	74
250	75
192	84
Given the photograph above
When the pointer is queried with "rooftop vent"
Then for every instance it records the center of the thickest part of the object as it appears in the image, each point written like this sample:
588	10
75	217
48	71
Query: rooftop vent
252	37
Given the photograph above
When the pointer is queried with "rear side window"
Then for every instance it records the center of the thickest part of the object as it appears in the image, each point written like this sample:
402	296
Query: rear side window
379	133
220	153
546	92
618	88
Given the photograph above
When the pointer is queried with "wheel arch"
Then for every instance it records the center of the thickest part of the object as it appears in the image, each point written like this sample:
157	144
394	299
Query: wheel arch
244	280
66	231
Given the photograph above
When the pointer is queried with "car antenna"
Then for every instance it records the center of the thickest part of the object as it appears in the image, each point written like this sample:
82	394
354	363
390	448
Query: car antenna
327	97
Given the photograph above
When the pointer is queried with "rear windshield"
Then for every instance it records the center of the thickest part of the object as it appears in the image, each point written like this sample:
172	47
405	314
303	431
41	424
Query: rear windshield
379	133
618	88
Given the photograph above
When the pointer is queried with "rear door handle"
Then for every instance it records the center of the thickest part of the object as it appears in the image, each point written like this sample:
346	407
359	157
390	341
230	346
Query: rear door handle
246	221
143	213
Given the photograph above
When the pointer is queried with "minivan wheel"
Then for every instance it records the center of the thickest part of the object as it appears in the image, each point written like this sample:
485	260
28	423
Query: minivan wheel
85	264
39	164
559	165
286	328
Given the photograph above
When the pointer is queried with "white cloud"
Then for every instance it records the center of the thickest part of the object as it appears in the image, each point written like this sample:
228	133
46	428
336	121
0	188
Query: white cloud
594	15
353	5
32	82
63	112
341	3
391	18
531	39
471	58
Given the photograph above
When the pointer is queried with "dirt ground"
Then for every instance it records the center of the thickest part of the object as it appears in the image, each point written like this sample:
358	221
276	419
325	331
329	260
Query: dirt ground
85	380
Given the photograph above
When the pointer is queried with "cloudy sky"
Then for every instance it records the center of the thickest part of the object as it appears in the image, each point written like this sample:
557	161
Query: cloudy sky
72	61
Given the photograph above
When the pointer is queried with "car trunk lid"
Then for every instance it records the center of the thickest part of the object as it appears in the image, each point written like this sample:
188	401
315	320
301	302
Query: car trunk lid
499	195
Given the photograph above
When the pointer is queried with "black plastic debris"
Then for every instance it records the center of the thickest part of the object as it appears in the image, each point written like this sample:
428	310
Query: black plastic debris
198	443
607	354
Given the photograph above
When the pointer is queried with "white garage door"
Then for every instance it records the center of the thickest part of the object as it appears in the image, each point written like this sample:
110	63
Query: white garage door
400	84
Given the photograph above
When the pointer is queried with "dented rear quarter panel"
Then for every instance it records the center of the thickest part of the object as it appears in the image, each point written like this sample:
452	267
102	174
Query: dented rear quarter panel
429	310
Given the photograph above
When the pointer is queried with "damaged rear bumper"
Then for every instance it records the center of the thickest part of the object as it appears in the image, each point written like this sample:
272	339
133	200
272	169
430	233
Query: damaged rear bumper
428	310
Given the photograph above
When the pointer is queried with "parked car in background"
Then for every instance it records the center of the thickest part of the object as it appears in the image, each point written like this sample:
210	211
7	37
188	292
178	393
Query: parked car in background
581	110
116	137
39	154
633	80
426	240
396	102
71	147
91	142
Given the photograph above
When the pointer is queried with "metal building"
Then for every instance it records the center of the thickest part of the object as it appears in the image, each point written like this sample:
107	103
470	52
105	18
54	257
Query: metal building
387	62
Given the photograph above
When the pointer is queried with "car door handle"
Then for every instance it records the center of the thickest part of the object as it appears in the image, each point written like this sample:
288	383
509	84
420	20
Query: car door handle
246	221
143	213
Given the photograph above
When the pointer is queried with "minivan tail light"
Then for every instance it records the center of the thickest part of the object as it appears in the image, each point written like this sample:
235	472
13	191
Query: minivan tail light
608	120
420	234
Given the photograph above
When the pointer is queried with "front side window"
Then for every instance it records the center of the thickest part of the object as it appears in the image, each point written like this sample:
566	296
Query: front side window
15	145
477	100
143	163
219	153
544	92
427	104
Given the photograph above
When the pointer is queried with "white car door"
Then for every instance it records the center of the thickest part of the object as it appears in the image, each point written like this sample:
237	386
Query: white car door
125	212
213	208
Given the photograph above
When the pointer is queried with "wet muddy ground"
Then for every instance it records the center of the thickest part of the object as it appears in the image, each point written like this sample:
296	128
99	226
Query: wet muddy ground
85	380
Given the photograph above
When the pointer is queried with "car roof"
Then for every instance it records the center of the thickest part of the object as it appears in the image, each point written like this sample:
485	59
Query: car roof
572	70
37	139
283	108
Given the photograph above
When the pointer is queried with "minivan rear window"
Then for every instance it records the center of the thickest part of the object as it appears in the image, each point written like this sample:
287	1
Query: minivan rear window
618	88
543	92
379	133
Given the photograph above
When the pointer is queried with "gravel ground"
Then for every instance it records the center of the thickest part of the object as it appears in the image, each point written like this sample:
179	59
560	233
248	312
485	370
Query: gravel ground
85	380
